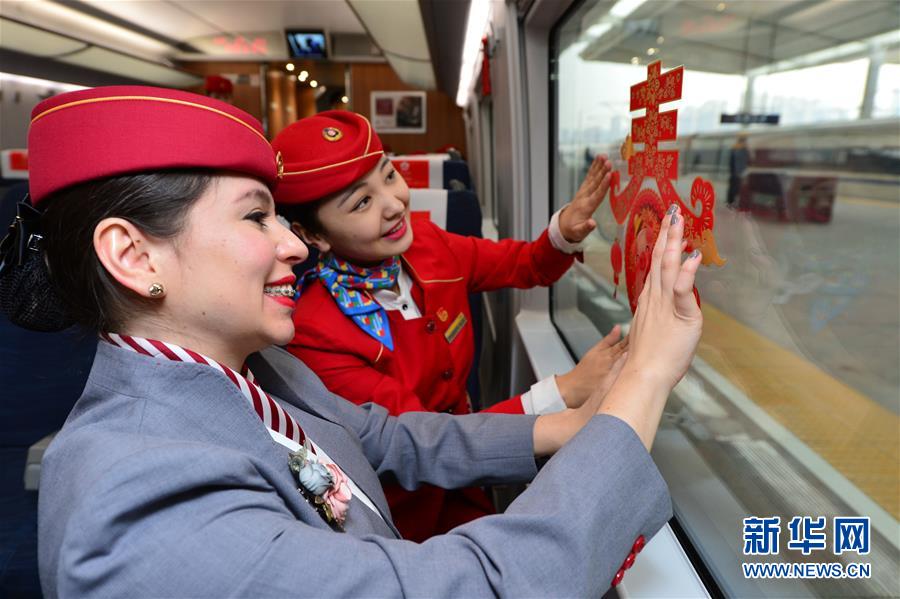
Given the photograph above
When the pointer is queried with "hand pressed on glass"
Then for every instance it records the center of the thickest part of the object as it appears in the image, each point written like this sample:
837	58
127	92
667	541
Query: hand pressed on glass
596	371
662	341
576	218
663	336
668	321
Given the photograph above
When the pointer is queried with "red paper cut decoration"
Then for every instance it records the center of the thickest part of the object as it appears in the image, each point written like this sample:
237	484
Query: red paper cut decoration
615	257
643	209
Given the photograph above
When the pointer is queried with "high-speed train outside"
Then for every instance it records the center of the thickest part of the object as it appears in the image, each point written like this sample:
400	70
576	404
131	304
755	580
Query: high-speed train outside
770	128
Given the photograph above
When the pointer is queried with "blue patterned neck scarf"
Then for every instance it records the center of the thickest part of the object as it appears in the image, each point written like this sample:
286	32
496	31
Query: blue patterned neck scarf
348	285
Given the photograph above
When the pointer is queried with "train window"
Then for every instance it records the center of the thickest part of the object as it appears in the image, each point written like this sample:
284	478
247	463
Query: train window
792	406
488	192
887	96
796	94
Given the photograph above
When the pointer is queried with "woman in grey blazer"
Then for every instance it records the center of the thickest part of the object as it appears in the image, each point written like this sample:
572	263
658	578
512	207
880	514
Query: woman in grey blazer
202	461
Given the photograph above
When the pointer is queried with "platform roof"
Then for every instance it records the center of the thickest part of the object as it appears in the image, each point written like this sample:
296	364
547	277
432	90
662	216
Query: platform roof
741	36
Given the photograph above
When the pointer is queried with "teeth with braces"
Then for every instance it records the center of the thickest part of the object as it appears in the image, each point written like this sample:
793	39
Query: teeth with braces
283	290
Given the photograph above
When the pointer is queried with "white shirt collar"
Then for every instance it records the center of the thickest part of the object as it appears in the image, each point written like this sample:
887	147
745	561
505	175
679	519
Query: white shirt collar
403	301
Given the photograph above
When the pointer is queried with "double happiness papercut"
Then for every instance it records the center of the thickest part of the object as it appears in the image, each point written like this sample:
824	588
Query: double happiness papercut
642	210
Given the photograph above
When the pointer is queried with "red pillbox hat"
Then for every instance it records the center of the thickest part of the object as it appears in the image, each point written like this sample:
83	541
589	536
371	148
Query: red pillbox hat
323	154
108	131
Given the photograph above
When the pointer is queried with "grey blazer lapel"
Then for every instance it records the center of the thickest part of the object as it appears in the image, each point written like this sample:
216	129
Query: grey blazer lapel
196	402
300	388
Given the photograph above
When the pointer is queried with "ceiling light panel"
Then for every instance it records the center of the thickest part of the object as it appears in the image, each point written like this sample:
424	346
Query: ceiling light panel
58	86
108	61
476	26
26	39
165	18
183	20
68	21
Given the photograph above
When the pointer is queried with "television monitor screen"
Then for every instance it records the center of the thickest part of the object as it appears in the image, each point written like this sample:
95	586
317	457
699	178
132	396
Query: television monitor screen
306	44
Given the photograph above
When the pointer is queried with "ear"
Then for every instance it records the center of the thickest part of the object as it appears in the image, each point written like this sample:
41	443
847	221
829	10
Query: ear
317	241
127	254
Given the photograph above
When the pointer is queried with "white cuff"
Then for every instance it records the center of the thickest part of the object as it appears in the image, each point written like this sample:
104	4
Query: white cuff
543	398
558	241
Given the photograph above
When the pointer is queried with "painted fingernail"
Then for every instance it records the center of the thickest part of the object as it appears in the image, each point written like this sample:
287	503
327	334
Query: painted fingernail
674	218
695	253
671	209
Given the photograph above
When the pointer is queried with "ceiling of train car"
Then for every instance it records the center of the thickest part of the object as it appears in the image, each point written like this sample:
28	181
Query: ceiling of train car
186	20
445	27
739	36
159	31
30	45
397	27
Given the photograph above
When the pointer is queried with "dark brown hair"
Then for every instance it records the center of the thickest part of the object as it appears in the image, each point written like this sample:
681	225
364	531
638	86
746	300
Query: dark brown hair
156	203
306	214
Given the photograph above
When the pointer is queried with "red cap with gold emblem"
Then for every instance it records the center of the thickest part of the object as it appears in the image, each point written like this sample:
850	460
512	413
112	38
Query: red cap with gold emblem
108	131
323	154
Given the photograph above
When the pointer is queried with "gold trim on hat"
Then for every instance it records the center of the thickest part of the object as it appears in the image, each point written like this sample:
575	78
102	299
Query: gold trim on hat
279	164
369	138
322	168
150	99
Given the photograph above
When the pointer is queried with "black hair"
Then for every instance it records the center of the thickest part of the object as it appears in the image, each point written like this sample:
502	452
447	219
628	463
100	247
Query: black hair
307	214
156	203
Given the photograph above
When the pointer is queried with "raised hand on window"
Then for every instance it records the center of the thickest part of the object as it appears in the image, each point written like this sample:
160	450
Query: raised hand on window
576	220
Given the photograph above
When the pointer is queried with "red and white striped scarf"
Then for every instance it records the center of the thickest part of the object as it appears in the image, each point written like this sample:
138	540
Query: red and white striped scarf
273	415
335	501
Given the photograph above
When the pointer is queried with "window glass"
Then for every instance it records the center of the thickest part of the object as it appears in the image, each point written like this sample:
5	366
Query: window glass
489	200
792	406
796	94
887	96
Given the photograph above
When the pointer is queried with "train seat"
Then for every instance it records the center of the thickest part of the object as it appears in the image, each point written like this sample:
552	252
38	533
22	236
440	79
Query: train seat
433	171
42	375
13	166
457	212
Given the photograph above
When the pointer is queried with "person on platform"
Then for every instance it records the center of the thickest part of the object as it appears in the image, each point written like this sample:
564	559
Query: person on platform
202	461
393	323
738	161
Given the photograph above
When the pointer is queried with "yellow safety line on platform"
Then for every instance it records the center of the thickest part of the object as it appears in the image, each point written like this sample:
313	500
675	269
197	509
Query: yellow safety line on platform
858	437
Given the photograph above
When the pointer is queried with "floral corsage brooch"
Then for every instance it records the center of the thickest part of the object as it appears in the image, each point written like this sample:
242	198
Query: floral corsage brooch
324	486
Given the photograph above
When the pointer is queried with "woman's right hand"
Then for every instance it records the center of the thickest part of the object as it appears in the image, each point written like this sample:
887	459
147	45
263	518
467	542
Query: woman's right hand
664	334
667	324
663	337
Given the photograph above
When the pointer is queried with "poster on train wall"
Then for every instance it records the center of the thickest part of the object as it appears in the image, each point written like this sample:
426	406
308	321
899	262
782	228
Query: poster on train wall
639	208
399	112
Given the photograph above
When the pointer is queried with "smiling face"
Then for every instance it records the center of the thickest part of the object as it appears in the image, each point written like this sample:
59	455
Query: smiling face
368	222
228	278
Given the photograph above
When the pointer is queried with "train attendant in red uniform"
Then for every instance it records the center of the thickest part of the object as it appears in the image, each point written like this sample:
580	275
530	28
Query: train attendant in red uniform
387	320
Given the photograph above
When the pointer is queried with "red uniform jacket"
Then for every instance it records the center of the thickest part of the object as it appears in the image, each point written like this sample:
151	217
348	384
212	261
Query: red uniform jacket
432	355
